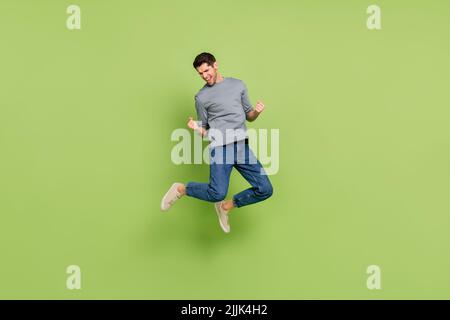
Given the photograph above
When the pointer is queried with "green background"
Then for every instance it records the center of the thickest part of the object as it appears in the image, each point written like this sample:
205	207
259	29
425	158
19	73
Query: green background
85	124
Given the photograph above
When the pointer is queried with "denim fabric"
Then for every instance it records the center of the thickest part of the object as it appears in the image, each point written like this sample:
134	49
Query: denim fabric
222	161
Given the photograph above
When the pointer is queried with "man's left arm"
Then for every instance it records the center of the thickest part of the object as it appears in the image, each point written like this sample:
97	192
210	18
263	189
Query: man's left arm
250	113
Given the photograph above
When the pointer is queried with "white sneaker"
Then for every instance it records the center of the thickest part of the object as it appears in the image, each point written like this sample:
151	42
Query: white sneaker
223	217
171	197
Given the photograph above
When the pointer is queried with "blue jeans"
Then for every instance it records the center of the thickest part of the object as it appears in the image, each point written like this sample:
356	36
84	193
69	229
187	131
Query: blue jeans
222	161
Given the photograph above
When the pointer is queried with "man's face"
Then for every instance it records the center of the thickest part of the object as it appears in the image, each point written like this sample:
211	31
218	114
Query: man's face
208	73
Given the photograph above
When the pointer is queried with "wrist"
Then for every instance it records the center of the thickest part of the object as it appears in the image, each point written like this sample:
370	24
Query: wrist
199	130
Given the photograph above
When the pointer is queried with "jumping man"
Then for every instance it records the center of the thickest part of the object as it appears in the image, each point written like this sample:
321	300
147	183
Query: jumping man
223	106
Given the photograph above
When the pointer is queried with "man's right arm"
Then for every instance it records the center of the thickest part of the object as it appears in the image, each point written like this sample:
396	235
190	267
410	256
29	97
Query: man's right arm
202	115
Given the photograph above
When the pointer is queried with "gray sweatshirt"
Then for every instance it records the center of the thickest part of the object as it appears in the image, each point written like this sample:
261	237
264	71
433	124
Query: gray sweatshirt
221	109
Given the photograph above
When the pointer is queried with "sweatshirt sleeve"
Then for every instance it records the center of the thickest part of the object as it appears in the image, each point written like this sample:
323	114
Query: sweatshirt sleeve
202	115
246	104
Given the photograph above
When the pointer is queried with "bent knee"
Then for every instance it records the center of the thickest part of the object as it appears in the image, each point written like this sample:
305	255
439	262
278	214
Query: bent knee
265	191
269	191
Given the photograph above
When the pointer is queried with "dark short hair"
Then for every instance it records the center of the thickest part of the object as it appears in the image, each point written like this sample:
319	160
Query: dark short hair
202	58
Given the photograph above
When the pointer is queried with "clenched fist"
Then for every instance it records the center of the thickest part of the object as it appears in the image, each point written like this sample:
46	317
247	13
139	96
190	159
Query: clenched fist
259	107
192	124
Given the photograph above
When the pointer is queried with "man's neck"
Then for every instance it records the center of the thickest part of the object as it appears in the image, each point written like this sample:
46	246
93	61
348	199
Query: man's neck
219	78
